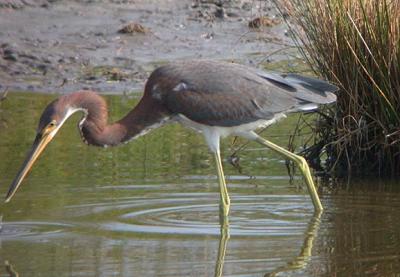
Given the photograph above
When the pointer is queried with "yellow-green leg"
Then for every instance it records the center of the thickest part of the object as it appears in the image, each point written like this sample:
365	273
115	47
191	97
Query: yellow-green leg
302	164
223	242
225	201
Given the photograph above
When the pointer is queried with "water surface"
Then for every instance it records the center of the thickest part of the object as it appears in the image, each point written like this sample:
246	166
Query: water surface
150	208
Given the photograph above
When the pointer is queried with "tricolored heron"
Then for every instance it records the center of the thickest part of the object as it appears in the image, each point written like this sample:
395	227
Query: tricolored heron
216	98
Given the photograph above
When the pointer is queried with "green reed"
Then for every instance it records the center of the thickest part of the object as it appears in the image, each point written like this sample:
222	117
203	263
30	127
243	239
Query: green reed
355	44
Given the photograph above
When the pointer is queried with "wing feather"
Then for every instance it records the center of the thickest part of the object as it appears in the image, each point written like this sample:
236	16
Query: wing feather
224	94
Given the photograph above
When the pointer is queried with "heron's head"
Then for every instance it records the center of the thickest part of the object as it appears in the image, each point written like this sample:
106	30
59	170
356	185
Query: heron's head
53	117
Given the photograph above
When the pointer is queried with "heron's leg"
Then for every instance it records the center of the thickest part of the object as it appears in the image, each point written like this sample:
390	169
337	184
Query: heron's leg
302	164
225	201
223	242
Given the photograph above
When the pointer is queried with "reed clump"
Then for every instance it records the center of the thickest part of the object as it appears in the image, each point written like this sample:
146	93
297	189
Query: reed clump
355	44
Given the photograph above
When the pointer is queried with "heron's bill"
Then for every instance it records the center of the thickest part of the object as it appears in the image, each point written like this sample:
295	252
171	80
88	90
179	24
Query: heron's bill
38	146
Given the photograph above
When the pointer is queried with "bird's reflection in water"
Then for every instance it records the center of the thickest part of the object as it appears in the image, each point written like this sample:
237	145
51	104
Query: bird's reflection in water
223	241
10	270
298	262
303	258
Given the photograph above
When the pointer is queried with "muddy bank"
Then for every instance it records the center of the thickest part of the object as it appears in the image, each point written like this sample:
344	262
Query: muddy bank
58	46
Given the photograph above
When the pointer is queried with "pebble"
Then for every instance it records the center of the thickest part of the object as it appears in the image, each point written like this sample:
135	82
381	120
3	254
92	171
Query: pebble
9	54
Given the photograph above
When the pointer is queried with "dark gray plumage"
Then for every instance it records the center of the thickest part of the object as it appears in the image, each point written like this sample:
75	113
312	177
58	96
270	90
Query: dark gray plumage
226	94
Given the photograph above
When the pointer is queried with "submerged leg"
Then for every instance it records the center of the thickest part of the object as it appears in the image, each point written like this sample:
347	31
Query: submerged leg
302	164
225	201
223	242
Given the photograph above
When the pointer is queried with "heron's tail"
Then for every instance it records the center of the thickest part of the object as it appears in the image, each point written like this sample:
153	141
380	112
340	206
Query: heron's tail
307	90
311	89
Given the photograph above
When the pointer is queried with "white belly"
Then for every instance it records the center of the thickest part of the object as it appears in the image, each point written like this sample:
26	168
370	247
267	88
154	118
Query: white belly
213	134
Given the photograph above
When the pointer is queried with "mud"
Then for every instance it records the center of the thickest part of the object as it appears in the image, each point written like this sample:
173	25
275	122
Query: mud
60	46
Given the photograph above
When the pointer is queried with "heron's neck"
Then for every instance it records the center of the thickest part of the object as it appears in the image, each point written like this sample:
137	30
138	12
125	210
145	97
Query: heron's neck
94	126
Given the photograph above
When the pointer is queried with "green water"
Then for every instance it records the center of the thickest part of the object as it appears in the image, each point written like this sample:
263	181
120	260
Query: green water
150	208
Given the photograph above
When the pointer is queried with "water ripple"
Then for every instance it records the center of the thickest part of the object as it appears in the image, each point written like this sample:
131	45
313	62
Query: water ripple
32	230
191	214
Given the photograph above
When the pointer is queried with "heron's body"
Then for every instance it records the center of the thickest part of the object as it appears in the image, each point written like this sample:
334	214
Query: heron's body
218	99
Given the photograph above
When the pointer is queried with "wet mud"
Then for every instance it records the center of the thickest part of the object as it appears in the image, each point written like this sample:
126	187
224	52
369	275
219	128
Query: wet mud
112	46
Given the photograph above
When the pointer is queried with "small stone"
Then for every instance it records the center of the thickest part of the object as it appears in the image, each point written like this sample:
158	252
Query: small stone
10	55
133	28
232	14
219	13
91	78
42	67
263	21
247	6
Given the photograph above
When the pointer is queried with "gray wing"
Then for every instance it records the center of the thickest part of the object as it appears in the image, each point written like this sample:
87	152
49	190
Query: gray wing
306	88
223	94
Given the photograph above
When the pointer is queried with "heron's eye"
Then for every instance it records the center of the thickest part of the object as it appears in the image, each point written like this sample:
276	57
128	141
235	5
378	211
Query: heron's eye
51	126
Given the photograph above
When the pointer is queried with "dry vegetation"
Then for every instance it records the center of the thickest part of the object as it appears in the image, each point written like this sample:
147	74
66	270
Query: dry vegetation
356	44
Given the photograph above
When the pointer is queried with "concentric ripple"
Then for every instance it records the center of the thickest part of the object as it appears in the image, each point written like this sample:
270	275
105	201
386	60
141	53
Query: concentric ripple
198	213
31	230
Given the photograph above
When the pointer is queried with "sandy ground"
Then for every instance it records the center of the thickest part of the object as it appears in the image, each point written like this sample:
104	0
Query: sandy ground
59	46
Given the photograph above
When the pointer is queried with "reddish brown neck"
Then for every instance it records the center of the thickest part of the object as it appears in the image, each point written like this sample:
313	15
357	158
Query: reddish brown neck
95	129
